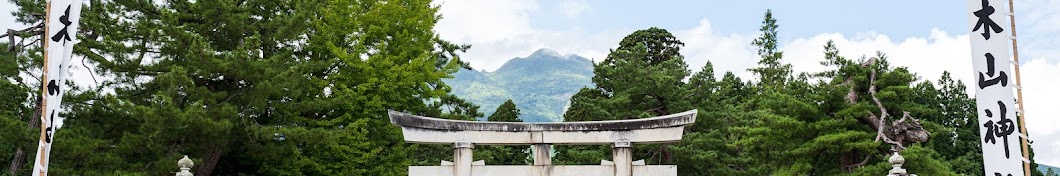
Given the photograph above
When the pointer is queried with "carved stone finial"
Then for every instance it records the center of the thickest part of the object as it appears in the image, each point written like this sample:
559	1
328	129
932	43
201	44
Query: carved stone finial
185	162
896	161
185	166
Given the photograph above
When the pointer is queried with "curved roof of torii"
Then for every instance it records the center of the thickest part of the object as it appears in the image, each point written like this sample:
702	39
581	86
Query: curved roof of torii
672	120
661	129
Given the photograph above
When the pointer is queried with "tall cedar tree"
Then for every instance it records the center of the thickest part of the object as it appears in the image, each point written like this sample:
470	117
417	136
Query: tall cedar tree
772	71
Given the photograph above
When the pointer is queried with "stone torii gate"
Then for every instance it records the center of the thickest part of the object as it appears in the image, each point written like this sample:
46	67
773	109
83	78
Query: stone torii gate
621	134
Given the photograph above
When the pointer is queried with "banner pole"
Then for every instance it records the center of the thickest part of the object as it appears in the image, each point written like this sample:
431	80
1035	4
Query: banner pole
1019	89
44	89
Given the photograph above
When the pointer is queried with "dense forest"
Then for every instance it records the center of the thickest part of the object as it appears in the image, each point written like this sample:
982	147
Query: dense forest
844	121
302	87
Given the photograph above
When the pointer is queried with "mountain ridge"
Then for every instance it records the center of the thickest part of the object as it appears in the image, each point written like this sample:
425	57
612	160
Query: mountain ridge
540	84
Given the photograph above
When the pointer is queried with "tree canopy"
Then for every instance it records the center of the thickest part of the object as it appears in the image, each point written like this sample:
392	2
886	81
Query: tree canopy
254	87
507	112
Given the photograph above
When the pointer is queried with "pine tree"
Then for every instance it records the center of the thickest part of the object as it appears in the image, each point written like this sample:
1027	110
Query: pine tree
703	87
504	155
772	72
659	45
18	113
703	151
507	112
957	114
641	78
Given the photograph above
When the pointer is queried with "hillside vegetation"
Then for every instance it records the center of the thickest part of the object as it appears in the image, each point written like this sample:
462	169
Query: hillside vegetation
541	84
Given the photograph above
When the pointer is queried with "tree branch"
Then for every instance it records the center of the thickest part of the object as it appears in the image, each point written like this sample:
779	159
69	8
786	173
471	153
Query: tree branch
11	33
872	93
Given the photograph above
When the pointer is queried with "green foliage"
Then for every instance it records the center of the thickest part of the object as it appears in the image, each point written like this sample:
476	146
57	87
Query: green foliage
507	112
772	71
17	110
658	45
504	155
642	78
1045	169
631	84
252	87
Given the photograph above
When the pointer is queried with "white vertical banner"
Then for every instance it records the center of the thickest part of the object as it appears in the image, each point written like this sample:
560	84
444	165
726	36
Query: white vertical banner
991	41
61	27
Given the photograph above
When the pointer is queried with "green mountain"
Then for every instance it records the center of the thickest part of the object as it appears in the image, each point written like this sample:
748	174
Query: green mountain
540	84
1045	168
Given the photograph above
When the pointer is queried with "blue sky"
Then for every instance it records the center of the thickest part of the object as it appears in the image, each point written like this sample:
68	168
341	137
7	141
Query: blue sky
799	18
928	37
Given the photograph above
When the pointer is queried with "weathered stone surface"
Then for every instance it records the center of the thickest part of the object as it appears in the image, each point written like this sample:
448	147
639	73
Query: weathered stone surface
622	154
462	158
542	154
427	130
643	136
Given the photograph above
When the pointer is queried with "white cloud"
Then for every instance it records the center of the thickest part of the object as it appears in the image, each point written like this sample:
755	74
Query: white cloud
1040	79
500	30
498	24
927	57
1047	155
484	20
731	52
7	20
573	8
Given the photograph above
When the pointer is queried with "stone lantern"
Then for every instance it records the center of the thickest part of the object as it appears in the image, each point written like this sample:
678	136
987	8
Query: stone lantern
185	166
896	161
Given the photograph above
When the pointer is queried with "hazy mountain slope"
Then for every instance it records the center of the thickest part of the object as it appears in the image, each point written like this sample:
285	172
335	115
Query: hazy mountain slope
1044	168
478	88
540	85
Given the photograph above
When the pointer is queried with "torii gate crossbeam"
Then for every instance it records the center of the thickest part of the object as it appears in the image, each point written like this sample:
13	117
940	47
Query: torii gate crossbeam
463	135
